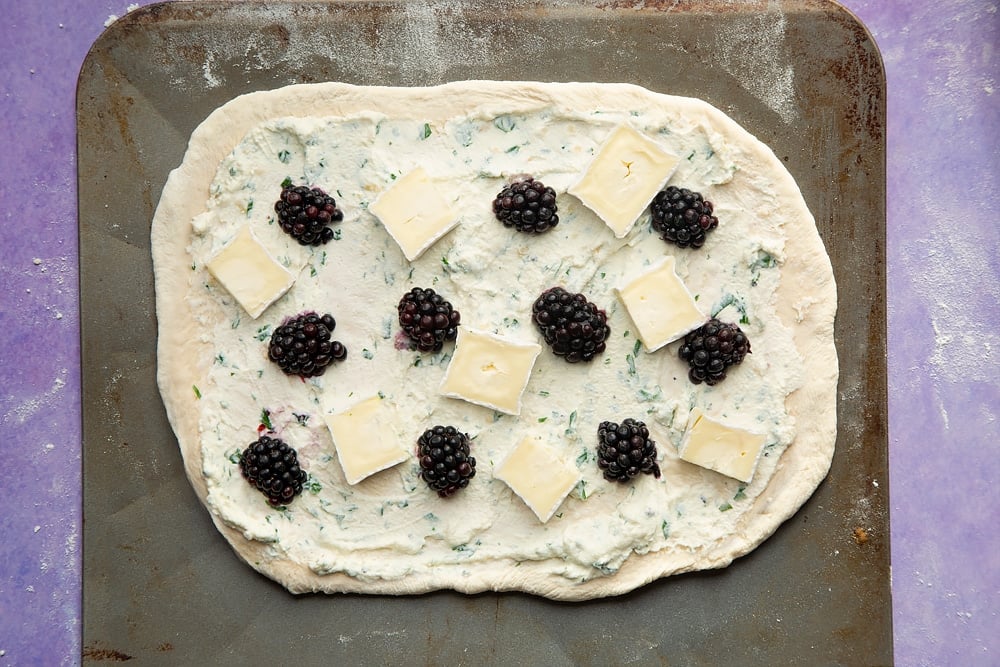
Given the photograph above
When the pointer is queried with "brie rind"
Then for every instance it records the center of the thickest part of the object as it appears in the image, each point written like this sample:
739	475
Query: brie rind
249	273
489	370
724	449
365	440
660	306
624	176
539	476
415	213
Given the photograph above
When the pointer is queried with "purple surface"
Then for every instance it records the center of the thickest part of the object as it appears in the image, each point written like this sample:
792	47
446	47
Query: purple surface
944	373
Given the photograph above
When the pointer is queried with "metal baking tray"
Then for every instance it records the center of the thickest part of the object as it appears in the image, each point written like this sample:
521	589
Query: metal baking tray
160	584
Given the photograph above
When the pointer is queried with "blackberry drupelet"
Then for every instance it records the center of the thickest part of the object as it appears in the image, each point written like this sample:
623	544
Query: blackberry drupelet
445	462
305	212
625	450
428	319
272	467
683	217
302	346
572	326
711	349
527	205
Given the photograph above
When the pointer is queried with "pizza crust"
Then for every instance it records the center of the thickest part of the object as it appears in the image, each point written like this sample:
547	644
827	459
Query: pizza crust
805	273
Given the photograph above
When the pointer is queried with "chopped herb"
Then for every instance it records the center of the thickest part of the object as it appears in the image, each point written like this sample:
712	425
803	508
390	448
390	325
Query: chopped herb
665	527
583	489
197	392
312	271
697	296
322	255
380	394
504	123
725	507
367	354
603	274
444	260
740	495
302	419
635	348
312	486
513	149
234	457
265	419
337	233
582	458
417	361
572	419
287	182
691	156
232	171
426	132
542	419
219	359
626	334
630	360
263	333
235	324
392	177
284	156
497	416
543	393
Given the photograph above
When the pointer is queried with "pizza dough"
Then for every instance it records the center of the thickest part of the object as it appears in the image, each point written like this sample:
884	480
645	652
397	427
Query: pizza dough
765	266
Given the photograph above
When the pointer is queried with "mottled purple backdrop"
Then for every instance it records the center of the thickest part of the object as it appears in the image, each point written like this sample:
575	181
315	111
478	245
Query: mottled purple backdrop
944	317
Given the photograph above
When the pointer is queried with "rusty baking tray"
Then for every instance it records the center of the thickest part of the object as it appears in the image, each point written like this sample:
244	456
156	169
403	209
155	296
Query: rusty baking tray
160	584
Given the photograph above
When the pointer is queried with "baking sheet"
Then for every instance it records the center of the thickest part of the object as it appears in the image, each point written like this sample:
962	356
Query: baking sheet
161	585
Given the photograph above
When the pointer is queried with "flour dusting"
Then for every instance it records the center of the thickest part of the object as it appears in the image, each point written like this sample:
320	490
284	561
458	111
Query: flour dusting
740	43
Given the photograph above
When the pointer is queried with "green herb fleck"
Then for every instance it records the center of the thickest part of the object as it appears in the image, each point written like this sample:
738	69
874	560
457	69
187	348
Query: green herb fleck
665	527
287	182
582	458
572	419
583	489
263	333
265	419
417	361
302	419
635	348
513	149
234	457
725	507
337	234
367	354
630	360
543	393
740	495
284	156
381	395
504	123
197	392
542	420
426	132
312	486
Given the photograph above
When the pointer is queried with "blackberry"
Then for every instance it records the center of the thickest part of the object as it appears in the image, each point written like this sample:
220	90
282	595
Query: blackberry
302	346
683	217
428	319
572	326
272	467
711	349
527	205
625	450
445	463
305	213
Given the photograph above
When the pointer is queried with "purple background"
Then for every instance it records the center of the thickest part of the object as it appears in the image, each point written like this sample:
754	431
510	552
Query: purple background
944	317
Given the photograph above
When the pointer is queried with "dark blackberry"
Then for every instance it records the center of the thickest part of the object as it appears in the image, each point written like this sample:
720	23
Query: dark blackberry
428	319
305	213
302	345
272	467
445	463
527	205
683	217
572	326
711	349
625	450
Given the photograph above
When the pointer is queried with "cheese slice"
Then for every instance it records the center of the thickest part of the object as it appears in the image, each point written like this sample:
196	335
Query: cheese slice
539	476
415	213
724	449
624	176
365	440
249	273
489	370
660	306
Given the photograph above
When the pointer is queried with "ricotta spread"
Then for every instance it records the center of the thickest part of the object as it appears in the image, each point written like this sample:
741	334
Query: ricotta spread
388	532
